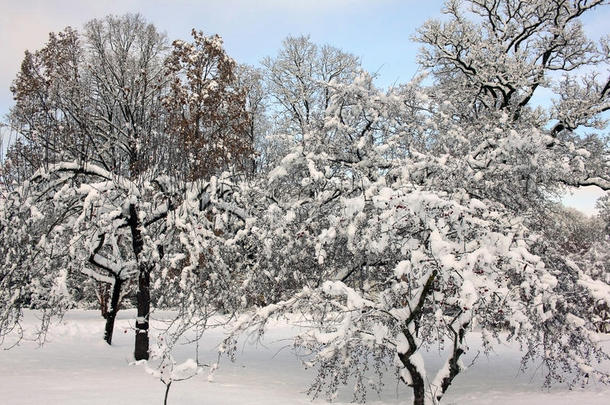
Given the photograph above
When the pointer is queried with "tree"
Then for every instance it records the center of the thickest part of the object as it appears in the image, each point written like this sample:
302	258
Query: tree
298	80
586	242
381	269
257	104
603	205
206	108
24	279
571	231
417	222
113	171
487	71
393	221
119	72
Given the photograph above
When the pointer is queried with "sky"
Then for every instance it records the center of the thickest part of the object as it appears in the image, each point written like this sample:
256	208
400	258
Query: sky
377	31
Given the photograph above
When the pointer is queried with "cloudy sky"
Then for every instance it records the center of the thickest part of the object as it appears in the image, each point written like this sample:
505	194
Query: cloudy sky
378	31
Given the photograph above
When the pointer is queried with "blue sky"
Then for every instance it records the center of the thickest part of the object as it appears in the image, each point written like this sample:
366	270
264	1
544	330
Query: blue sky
378	31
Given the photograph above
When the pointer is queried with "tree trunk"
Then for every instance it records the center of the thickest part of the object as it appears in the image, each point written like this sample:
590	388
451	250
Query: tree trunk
113	310
169	384
453	361
102	296
419	392
417	381
143	297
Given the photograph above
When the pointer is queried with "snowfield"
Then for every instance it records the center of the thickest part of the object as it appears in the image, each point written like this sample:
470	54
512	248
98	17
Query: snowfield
76	367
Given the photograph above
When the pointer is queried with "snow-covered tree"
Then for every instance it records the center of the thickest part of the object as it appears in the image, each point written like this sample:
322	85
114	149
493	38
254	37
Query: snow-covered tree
393	224
116	178
296	81
25	279
165	234
603	206
589	239
489	60
380	268
390	222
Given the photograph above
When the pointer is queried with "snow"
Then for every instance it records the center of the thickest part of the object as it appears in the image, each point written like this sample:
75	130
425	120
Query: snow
75	366
468	295
276	173
402	268
337	288
418	361
599	290
353	205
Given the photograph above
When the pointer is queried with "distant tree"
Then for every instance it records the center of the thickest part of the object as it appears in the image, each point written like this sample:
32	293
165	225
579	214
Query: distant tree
603	206
297	81
257	104
206	108
572	231
584	243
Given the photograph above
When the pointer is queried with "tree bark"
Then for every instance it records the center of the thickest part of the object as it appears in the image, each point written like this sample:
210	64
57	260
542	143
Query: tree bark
458	351
417	382
169	384
143	295
418	385
113	310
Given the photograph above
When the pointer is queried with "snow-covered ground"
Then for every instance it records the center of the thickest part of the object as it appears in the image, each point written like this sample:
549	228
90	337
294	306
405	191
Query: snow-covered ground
76	367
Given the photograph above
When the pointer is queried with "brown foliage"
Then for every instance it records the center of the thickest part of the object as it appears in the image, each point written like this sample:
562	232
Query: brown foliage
206	107
119	98
46	92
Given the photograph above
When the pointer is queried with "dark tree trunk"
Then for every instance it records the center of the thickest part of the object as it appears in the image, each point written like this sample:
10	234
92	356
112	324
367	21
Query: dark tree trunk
417	381
143	297
113	310
417	384
169	384
103	297
454	367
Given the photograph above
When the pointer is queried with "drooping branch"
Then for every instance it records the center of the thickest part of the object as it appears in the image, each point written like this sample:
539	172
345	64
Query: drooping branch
103	263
